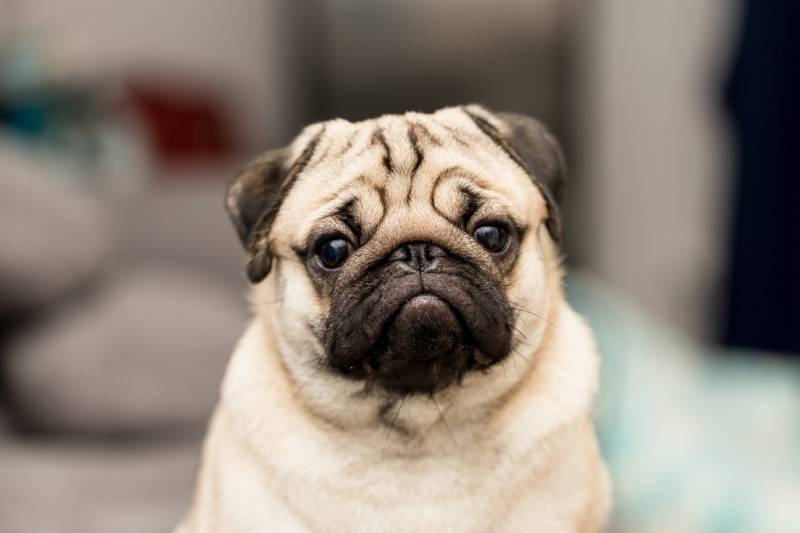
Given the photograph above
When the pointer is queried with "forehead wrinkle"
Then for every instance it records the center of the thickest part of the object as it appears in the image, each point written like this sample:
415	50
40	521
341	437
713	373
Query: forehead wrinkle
401	144
421	124
340	205
326	141
328	207
354	183
489	195
519	196
356	201
327	185
360	143
477	185
454	204
455	125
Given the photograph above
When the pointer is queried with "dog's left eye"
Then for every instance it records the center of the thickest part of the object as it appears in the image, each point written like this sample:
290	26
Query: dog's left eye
333	252
493	238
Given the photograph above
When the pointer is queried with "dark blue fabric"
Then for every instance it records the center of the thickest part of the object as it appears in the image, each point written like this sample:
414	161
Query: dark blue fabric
763	99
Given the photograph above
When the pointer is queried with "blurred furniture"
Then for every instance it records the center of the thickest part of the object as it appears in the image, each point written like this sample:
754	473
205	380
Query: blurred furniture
697	439
117	331
121	286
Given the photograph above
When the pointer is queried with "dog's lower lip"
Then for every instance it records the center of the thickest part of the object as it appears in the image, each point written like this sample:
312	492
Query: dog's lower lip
421	312
424	298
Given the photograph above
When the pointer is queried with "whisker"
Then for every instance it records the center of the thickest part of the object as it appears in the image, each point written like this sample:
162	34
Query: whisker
517	306
518	330
515	351
391	426
514	359
444	421
319	366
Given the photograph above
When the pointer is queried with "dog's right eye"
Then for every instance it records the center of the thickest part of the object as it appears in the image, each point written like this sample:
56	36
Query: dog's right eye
493	238
333	252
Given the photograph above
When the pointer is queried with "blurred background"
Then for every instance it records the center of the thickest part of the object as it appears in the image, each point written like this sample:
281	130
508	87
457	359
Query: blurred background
121	280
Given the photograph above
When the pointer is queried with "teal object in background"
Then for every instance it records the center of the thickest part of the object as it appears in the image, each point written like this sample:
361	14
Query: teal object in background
28	118
43	106
697	440
24	106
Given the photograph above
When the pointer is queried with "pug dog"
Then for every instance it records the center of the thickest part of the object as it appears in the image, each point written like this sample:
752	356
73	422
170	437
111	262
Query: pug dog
412	364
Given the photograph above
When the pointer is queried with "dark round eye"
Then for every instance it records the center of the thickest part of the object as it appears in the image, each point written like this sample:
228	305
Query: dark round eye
332	253
493	238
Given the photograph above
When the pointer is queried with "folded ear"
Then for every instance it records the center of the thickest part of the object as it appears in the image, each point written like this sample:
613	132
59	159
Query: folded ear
252	204
256	195
542	156
531	146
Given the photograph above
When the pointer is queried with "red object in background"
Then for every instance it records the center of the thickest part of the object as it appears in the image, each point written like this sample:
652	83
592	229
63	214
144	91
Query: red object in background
184	123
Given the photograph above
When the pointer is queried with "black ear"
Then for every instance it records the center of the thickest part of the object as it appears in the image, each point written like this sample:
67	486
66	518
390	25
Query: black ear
252	206
256	195
541	153
529	144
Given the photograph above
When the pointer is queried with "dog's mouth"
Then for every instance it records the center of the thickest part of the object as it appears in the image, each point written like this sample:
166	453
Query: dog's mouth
420	332
424	346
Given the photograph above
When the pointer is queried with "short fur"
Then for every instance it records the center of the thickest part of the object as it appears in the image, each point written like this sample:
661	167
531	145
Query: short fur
309	436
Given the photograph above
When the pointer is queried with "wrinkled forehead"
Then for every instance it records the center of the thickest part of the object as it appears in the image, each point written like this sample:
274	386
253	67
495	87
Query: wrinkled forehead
403	162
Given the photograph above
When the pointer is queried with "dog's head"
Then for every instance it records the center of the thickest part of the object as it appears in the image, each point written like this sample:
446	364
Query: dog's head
405	253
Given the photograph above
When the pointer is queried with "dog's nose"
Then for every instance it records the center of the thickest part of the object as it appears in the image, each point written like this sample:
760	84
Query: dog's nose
419	256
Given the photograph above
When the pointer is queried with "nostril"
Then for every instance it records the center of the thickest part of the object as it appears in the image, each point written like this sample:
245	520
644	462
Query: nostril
418	255
403	253
432	251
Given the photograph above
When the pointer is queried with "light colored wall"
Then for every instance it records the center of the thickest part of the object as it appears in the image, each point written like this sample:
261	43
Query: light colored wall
653	173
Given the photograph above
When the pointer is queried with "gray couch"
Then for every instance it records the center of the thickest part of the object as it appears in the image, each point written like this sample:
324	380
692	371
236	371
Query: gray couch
119	316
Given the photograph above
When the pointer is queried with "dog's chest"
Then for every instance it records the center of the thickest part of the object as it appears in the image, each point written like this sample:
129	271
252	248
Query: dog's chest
459	492
419	494
417	503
